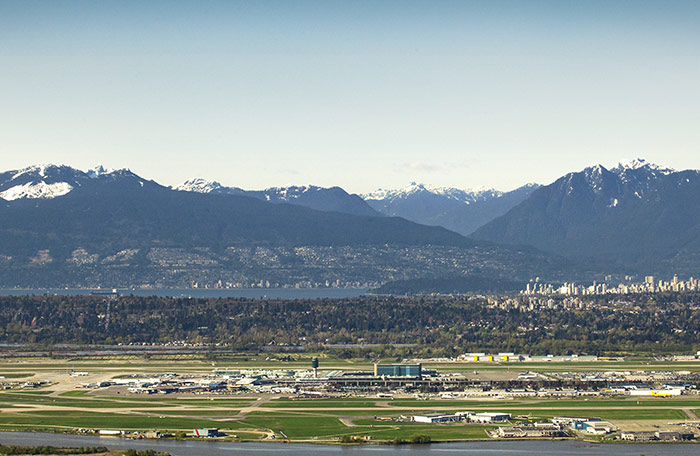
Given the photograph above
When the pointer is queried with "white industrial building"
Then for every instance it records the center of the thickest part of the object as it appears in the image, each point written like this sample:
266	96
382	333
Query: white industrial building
435	418
490	417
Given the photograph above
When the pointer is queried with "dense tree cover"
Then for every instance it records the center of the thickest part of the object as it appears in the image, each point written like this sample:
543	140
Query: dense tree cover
437	325
145	453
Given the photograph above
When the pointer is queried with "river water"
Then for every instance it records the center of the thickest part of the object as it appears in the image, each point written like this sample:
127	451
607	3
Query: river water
204	448
250	293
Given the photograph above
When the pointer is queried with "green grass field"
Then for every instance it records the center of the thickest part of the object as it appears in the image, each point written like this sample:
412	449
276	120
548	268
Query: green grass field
302	427
321	403
79	393
81	419
82	402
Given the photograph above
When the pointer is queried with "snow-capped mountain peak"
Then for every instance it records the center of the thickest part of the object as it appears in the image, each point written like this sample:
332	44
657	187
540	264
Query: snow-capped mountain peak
292	191
48	170
413	189
632	164
319	198
639	163
98	171
49	181
459	210
199	185
382	194
278	194
38	170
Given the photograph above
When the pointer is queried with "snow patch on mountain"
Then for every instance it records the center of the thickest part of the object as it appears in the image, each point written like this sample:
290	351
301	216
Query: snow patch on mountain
290	193
36	190
98	171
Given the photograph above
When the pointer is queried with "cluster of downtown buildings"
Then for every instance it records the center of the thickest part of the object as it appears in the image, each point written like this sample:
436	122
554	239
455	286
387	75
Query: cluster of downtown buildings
649	285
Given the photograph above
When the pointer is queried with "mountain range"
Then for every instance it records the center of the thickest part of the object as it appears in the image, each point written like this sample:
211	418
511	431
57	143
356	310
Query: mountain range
60	226
461	211
59	203
635	215
322	199
458	210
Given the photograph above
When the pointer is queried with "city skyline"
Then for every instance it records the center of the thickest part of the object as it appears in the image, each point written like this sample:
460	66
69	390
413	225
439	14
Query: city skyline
361	95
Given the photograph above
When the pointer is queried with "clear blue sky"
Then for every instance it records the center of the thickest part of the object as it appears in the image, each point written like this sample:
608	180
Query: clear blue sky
361	94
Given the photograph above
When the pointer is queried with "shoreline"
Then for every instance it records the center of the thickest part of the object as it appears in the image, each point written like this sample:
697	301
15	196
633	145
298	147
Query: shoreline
383	443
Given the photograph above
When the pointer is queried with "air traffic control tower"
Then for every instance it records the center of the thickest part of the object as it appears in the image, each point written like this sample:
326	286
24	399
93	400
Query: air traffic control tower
314	366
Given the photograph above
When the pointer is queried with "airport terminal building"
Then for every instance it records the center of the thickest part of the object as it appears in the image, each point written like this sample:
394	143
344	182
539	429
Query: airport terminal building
398	370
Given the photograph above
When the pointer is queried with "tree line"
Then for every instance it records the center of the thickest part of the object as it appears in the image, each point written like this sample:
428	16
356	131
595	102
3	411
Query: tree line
436	325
